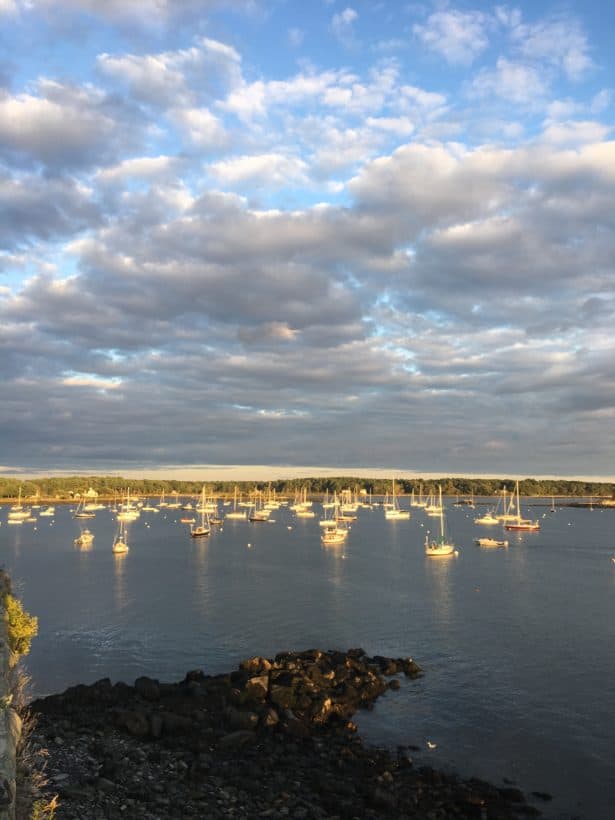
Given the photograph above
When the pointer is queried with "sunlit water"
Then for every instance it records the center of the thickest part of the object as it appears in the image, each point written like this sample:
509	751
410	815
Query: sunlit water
517	644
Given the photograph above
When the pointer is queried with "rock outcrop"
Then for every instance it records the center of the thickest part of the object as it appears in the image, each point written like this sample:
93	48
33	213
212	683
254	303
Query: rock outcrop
274	738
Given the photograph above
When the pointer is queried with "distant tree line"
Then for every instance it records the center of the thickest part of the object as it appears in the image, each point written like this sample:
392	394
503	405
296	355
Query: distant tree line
67	487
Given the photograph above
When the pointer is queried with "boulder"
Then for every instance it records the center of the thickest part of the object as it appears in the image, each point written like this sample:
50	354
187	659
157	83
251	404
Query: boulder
147	688
257	687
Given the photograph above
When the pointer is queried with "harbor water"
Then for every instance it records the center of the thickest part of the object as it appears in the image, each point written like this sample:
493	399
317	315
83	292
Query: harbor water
516	643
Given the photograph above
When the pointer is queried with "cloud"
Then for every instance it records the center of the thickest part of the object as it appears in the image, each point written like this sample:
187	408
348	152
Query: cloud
146	13
456	35
171	78
296	37
148	168
342	26
274	170
39	209
517	83
557	41
575	132
326	257
62	126
201	126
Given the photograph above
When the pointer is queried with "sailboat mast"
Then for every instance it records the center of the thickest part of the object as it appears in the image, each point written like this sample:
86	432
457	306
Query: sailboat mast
518	504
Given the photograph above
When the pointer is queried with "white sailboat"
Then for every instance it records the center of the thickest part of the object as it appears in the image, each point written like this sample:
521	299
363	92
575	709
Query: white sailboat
394	512
81	511
18	513
507	513
236	513
259	513
420	502
85	538
203	528
519	523
337	533
331	510
334	535
128	511
439	546
488	518
490	542
120	542
432	508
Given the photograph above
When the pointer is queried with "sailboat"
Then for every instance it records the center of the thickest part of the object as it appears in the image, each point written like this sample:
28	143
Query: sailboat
235	513
490	542
120	544
487	518
331	511
519	523
81	511
203	528
85	539
394	512
335	534
259	512
18	513
439	546
128	511
421	501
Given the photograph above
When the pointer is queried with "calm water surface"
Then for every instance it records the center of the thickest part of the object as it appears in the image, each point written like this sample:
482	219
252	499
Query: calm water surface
516	644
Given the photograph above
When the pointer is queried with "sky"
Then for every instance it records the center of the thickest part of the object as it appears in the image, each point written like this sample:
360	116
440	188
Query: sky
342	235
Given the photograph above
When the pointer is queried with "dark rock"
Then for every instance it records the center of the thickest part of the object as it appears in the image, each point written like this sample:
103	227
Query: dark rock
269	717
195	675
273	738
135	723
512	795
255	666
237	739
238	719
257	687
147	688
542	796
174	723
156	724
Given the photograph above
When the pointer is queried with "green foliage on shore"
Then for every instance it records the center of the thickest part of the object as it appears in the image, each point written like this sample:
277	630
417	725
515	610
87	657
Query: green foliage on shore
44	809
69	487
22	626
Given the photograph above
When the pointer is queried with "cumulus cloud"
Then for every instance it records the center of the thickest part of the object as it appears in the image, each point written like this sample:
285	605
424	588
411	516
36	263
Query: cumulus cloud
458	36
338	249
41	209
201	126
560	42
342	26
169	78
515	82
146	13
62	126
265	169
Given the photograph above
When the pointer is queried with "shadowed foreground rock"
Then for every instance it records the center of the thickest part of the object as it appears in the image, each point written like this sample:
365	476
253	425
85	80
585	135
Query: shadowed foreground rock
273	739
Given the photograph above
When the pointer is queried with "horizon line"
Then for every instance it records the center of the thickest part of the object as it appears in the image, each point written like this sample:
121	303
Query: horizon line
262	472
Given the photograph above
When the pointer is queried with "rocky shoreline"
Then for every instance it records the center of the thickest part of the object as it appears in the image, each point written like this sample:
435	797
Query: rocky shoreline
274	738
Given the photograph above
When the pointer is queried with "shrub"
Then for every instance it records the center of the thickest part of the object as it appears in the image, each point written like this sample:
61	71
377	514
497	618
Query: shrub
22	626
